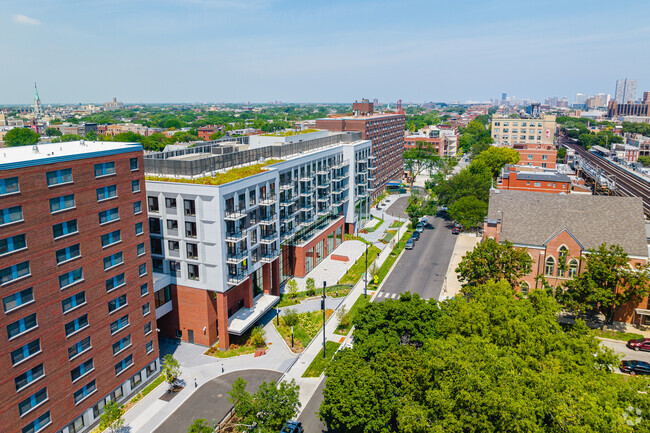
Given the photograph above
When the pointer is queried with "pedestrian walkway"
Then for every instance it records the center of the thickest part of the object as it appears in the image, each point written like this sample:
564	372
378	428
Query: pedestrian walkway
465	243
330	270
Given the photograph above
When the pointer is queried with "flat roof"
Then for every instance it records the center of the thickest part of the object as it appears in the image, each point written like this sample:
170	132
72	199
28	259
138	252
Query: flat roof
50	153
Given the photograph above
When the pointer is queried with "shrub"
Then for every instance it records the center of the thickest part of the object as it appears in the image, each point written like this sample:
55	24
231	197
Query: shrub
257	337
310	285
311	292
291	317
292	289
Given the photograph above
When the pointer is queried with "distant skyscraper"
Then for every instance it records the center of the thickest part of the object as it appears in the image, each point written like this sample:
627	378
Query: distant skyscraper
504	96
625	91
581	98
38	110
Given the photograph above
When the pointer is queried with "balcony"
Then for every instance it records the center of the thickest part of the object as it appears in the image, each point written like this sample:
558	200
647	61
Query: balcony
342	164
325	184
323	198
286	202
269	256
371	157
323	171
236	257
234	214
306	192
269	238
268	200
323	212
307	178
286	186
268	219
237	278
372	167
306	207
236	236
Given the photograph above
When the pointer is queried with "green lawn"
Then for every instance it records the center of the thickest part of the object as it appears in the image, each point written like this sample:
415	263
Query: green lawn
308	326
346	323
375	227
349	237
319	363
615	335
353	274
239	345
390	261
336	291
396	224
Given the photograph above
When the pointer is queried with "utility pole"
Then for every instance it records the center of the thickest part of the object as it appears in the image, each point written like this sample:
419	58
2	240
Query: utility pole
323	306
365	288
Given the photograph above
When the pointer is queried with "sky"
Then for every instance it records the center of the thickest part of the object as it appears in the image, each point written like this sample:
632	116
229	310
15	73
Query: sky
81	51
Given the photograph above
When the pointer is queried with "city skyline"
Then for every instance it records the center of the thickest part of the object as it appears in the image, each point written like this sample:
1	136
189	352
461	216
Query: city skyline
259	50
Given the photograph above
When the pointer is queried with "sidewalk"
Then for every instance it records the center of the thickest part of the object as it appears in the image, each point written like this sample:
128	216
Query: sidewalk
451	287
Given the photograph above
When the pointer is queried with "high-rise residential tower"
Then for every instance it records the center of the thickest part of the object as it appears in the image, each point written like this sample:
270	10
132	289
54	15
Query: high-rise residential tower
625	91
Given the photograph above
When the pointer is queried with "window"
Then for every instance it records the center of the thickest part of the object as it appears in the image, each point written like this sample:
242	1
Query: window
21	326
543	165
523	286
9	186
137	207
120	323
123	364
140	249
147	328
192	251
561	264
82	370
190	210
550	266
27	351
18	299
155	226
173	245
58	204
573	268
77	425
135	186
117	303
29	376
544	157
73	302
11	215
138	228
153	204
104	169
190	229
70	278
121	344
79	348
144	289
84	392
14	272
172	225
134	164
59	177
156	246
142	269
68	253
537	184
170	203
149	347
530	156
106	192
113	260
193	272
64	229
115	282
38	424
76	325
11	244
163	296
145	309
135	380
111	238
32	401
109	215
118	393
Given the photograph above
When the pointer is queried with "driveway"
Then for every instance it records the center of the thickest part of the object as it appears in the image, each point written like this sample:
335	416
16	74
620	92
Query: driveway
210	401
422	270
398	208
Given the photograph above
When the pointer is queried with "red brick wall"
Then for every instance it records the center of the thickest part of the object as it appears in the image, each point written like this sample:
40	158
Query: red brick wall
37	225
537	155
301	252
511	182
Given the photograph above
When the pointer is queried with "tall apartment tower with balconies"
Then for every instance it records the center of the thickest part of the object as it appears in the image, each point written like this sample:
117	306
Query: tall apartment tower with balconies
77	320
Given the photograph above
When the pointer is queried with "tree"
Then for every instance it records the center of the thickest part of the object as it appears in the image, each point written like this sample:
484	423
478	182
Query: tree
171	369
496	157
21	137
310	286
91	136
495	261
67	137
290	317
53	132
421	158
111	417
645	160
292	289
607	284
474	180
270	407
468	211
340	315
201	426
561	154
257	336
216	135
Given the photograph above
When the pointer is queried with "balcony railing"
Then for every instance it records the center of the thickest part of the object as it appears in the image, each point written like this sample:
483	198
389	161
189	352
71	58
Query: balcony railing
286	186
307	192
237	278
236	257
268	199
307	178
235	236
323	171
268	219
234	214
269	237
269	256
323	198
342	164
324	185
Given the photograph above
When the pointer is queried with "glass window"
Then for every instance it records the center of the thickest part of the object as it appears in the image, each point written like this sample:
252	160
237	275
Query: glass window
144	289
138	228
32	401
153	204
77	425
192	272
70	278
190	229
121	344
59	177
142	269
84	392
163	296
9	186
123	364
29	376
67	253
14	272
38	424
79	348
149	347
135	186
76	325
104	169
117	303
524	288
18	299
134	164
170	203
172	225
137	207
113	260
73	301
140	249
115	282
119	324
192	250
13	243
135	380
106	192
109	215
190	209
62	203
147	328
573	268
173	245
64	228
111	238
145	309
11	215
82	370
550	266
21	326
28	350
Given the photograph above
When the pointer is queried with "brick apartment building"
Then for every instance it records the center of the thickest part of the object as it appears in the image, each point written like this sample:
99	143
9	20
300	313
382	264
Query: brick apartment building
444	145
536	155
78	321
521	179
615	109
558	227
385	130
535	130
205	132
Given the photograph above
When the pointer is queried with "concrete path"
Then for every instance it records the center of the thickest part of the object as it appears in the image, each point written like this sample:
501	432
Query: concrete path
313	305
331	270
465	243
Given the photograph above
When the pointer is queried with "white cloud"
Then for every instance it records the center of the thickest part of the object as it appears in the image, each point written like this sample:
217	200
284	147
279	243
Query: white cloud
22	19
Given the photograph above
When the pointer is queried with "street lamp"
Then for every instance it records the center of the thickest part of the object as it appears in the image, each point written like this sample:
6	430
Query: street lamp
365	279
323	306
277	315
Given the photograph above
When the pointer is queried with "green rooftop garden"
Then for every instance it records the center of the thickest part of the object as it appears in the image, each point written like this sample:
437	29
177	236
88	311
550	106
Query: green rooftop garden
289	133
221	178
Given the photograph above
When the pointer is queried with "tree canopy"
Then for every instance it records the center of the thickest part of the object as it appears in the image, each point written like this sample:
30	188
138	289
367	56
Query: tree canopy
495	158
491	260
468	211
21	137
53	132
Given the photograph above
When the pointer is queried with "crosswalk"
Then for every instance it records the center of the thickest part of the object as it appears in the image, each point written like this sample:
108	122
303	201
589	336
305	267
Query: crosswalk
387	295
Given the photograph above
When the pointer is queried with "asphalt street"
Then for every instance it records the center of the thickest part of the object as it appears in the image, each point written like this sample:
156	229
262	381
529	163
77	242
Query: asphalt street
422	270
309	418
629	354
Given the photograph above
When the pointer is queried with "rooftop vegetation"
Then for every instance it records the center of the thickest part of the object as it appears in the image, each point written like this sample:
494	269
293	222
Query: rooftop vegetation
289	133
221	178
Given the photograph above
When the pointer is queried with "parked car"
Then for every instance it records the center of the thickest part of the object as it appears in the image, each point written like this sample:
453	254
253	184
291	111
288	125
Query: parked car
415	236
455	230
409	244
420	227
292	427
635	367
443	208
424	220
642	344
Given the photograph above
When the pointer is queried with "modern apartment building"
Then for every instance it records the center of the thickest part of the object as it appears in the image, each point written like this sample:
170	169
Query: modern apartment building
221	250
386	131
625	91
616	109
536	130
77	319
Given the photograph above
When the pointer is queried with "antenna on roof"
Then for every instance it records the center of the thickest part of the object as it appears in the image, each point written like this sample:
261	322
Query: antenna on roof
35	148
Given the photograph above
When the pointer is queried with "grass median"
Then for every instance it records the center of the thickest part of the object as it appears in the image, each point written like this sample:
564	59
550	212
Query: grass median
346	322
317	366
353	275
